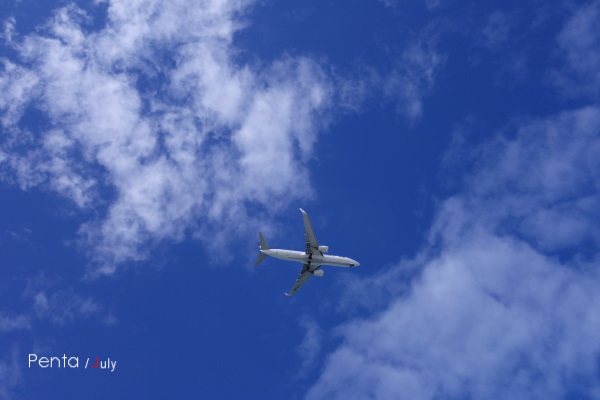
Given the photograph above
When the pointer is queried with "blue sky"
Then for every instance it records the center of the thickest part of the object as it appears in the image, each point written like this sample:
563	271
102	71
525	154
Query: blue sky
451	147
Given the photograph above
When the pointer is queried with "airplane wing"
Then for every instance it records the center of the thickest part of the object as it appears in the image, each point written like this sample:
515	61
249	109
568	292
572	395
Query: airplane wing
304	276
312	246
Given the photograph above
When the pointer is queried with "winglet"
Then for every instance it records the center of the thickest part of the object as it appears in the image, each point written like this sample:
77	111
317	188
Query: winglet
303	212
287	294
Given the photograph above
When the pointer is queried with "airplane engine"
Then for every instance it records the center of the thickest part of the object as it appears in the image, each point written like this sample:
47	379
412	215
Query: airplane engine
318	272
323	249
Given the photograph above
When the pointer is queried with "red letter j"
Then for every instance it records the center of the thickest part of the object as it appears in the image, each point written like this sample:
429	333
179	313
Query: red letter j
95	366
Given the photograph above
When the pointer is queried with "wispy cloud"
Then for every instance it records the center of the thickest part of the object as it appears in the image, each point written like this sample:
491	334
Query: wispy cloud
579	42
52	299
154	113
429	4
310	347
497	29
10	374
506	303
64	306
9	27
14	322
414	76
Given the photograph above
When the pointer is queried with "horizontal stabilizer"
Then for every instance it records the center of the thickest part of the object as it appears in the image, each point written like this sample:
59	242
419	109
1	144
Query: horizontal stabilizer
263	246
261	257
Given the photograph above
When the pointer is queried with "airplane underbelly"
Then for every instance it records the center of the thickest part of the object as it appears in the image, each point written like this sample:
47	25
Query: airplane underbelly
290	255
337	262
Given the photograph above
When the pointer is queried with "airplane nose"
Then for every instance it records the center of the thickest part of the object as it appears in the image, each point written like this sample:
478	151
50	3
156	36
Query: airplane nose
356	263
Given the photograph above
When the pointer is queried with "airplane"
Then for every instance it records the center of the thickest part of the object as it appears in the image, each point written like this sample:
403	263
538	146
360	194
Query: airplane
312	259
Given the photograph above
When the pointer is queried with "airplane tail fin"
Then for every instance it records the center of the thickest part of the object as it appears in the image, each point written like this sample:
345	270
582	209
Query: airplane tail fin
263	242
263	246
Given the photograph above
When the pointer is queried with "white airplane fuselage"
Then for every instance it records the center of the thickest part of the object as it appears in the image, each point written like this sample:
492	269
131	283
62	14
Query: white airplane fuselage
316	260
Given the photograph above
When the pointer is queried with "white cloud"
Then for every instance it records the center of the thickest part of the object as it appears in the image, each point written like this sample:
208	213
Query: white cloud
506	304
155	110
550	173
17	84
